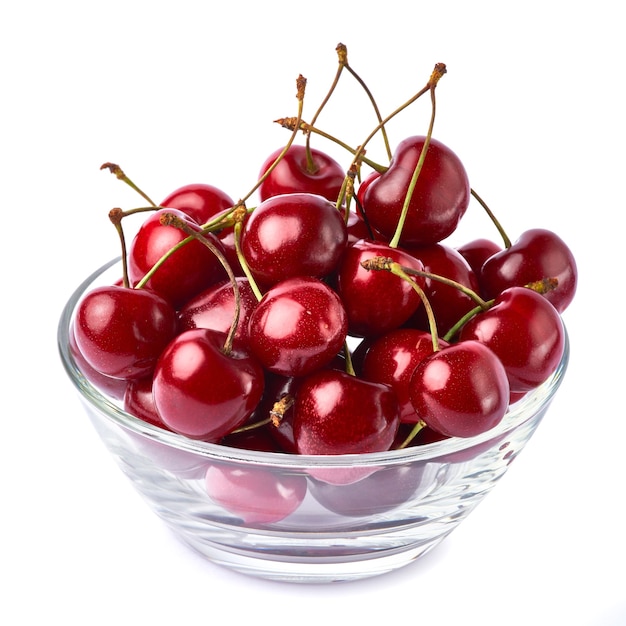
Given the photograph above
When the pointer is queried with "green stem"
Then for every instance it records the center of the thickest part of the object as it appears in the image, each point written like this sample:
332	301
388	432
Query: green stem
492	217
414	432
119	173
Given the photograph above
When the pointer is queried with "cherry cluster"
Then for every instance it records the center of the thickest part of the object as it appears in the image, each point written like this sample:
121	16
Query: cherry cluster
332	317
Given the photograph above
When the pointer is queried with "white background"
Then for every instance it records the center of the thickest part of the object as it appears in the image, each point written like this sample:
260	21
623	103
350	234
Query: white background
185	92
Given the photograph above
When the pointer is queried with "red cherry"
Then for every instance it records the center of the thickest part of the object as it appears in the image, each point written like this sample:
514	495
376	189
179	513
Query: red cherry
337	413
199	201
449	304
440	198
477	251
293	174
189	270
139	401
115	387
391	360
376	301
461	390
121	332
298	234
201	391
525	331
215	308
538	254
298	326
256	495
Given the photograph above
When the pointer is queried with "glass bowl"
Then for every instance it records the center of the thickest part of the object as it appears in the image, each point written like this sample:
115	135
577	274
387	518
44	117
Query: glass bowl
302	518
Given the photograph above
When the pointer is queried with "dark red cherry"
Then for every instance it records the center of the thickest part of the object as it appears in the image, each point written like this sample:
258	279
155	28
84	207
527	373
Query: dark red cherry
200	390
115	387
477	251
139	401
376	301
391	360
449	304
121	332
440	198
199	201
297	234
526	333
295	174
337	413
187	272
215	308
257	495
538	254
298	326
461	390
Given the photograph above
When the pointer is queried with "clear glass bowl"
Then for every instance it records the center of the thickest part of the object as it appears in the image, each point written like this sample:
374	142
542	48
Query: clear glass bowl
303	518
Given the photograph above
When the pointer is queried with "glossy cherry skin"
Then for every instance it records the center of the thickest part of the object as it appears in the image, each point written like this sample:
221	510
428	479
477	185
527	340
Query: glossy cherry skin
297	234
215	308
298	327
392	358
376	301
440	198
257	495
189	271
338	413
536	255
461	390
139	401
202	392
199	201
525	331
115	387
448	303
477	251
121	332
293	175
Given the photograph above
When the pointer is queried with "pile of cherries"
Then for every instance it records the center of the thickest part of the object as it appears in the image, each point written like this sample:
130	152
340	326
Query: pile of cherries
332	317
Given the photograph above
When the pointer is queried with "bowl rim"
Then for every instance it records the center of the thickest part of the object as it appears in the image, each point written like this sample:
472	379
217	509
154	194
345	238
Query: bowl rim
520	412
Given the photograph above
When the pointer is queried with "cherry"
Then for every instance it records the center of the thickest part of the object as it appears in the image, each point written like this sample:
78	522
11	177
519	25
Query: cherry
477	251
440	198
377	493
121	332
139	401
203	391
298	326
537	254
297	234
338	413
392	358
449	303
376	302
257	495
188	271
199	201
526	333
216	306
115	387
296	173
461	390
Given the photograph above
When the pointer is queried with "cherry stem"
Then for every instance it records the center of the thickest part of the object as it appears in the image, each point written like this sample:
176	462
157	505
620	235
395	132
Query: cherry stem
242	261
438	72
116	215
414	431
342	52
466	318
169	219
300	86
119	173
389	265
492	217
